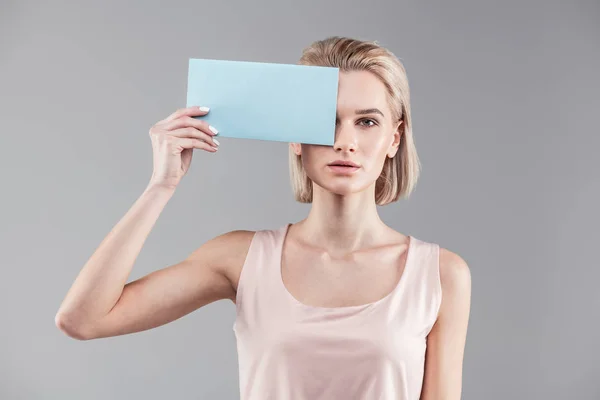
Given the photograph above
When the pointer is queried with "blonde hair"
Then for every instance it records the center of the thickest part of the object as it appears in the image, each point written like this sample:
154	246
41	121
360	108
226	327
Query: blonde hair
400	173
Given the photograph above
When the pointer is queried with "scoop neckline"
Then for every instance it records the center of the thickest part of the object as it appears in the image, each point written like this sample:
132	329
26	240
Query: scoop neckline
408	261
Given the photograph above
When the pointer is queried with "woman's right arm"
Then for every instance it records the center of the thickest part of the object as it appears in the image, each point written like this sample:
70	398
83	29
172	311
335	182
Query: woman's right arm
100	303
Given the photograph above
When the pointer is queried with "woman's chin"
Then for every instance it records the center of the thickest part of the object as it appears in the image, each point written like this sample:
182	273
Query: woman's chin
344	189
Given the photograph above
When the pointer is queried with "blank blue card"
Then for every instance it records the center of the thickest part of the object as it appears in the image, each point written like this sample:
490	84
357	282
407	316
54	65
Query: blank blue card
266	101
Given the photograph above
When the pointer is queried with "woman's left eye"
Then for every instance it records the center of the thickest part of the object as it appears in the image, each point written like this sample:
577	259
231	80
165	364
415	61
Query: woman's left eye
369	120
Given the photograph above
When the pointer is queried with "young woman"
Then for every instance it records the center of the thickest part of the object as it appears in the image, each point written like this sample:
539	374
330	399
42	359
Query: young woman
336	306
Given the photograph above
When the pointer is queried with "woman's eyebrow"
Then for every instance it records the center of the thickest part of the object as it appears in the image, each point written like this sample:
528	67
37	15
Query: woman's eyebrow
369	111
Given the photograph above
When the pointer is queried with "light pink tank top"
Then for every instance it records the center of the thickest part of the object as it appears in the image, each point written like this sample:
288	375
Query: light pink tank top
289	350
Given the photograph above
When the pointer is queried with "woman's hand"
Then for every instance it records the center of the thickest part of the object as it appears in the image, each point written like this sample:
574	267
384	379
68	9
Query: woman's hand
173	141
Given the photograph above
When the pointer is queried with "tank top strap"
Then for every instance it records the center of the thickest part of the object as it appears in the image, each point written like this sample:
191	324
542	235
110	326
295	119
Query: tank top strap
420	298
257	285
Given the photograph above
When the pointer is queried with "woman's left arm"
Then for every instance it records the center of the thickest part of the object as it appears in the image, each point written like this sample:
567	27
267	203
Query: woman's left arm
446	341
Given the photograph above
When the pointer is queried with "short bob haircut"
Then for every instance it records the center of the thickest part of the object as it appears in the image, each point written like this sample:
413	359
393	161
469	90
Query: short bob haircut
400	173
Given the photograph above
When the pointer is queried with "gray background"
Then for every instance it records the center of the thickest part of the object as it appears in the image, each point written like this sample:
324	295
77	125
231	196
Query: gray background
505	105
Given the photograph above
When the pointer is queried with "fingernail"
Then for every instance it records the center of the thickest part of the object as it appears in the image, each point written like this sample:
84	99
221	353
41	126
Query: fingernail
216	142
213	129
204	108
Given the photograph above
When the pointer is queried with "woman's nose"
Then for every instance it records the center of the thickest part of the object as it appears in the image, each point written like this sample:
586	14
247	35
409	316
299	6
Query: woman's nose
345	138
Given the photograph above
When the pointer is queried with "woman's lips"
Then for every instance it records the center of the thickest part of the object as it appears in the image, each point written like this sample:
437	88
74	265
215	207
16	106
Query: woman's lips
343	169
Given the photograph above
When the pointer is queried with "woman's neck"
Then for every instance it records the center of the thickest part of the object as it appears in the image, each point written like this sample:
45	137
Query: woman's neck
343	223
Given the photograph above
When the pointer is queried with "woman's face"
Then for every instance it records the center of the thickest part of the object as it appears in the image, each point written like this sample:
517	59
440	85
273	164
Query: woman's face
365	135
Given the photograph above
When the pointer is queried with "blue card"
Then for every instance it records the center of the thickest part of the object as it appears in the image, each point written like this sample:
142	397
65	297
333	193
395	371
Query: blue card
266	101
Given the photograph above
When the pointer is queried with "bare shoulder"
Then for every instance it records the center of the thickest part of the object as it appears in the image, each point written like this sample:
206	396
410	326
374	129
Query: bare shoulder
454	271
227	244
226	254
455	277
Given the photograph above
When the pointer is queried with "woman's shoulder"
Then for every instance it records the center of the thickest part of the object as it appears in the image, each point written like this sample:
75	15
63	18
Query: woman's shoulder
235	238
232	249
455	276
453	265
236	243
243	237
453	269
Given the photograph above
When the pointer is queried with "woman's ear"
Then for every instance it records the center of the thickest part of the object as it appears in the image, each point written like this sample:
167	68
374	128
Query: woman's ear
297	148
396	142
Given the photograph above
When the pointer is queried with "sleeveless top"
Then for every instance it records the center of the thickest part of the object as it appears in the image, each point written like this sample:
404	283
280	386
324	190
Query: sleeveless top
289	350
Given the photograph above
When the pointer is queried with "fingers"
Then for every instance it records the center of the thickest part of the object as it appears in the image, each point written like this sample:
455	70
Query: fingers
193	143
193	133
185	121
187	111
